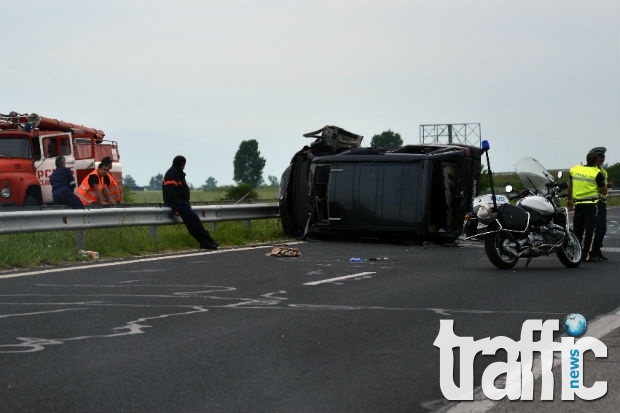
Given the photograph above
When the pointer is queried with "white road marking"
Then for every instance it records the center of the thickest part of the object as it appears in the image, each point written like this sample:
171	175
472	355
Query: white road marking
139	326
344	277
95	264
60	310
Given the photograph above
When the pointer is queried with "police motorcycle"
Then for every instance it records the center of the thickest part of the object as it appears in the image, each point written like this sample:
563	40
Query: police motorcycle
534	226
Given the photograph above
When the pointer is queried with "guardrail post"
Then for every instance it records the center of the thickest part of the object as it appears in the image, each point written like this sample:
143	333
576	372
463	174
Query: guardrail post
152	232
80	239
246	223
213	227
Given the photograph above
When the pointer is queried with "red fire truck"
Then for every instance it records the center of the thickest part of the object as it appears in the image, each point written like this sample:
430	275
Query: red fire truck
29	146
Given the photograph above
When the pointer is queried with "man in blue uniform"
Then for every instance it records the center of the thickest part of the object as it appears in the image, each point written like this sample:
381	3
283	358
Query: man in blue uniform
176	196
63	185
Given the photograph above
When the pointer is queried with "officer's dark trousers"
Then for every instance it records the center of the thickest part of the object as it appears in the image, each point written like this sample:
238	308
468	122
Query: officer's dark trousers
192	223
601	225
584	222
65	196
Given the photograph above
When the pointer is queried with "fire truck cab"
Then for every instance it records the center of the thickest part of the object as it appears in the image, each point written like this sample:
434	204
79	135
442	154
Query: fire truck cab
29	146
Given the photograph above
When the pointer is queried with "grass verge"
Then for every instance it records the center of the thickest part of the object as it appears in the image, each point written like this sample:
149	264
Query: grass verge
60	247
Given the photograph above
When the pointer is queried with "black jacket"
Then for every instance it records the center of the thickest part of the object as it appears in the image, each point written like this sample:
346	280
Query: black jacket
174	187
62	178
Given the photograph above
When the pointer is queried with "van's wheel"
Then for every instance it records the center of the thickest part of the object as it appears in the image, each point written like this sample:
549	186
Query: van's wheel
31	200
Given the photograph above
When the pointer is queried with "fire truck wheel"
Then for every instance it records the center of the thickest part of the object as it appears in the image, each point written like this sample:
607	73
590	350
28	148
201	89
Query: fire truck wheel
31	200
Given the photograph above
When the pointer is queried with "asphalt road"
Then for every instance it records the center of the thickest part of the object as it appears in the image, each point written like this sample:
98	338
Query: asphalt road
241	331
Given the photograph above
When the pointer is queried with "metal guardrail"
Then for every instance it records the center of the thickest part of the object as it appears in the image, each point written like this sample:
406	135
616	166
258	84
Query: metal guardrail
20	221
72	219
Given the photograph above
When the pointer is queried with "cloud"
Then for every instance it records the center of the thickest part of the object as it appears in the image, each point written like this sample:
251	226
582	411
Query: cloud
209	74
6	70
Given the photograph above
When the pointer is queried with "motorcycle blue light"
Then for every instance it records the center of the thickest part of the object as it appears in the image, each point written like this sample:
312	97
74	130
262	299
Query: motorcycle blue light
485	145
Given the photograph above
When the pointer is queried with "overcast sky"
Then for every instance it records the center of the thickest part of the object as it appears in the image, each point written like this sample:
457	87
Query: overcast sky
198	77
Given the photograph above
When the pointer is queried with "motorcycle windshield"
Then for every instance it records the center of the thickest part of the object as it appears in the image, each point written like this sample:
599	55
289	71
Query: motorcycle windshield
532	174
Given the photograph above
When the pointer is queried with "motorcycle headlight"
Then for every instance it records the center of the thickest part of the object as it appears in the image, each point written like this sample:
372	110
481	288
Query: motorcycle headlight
5	192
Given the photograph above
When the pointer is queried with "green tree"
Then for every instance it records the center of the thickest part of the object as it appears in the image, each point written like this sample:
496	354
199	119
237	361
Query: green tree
128	195
210	183
387	139
155	182
248	164
273	181
241	192
129	181
613	174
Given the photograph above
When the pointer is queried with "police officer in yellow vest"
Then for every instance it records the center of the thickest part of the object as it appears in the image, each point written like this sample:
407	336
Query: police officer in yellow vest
585	187
601	208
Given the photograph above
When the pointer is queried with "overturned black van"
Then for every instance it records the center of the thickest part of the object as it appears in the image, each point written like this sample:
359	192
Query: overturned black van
335	187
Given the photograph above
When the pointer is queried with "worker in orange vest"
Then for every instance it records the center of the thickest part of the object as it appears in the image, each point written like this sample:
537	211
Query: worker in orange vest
115	190
94	187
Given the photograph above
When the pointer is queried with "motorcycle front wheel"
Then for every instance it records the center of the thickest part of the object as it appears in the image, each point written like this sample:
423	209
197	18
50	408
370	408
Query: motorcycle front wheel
570	251
495	247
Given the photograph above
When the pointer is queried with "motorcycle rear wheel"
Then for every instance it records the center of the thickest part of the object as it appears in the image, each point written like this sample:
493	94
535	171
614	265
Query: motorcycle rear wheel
494	246
570	252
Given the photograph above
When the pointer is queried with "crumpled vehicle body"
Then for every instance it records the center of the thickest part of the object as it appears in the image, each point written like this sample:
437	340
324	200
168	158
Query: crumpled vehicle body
337	188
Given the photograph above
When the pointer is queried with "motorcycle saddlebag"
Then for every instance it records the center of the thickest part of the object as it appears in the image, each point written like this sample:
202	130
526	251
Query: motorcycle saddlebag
512	217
